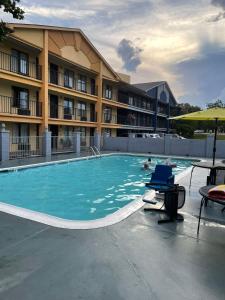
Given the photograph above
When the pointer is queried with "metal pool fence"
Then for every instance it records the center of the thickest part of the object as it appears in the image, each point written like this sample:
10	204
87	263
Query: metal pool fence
26	146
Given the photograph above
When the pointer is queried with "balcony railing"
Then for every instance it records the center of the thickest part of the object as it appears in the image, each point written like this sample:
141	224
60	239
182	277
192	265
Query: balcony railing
134	121
109	118
23	67
10	105
61	79
162	110
138	103
68	113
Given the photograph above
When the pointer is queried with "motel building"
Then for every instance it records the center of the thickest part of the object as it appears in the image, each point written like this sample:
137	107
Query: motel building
53	79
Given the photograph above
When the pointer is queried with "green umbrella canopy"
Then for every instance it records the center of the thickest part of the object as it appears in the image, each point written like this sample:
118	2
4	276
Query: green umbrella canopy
212	114
215	113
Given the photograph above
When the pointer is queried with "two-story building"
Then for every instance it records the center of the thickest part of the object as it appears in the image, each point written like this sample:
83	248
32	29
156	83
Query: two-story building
54	79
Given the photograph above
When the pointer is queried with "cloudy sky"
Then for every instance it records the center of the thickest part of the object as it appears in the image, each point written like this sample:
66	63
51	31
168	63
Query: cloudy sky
180	41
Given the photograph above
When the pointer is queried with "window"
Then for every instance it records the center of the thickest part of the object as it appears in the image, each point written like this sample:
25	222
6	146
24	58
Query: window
107	115
53	74
82	83
107	131
21	98
93	92
82	111
68	106
108	92
68	131
20	134
68	78
83	134
19	62
131	100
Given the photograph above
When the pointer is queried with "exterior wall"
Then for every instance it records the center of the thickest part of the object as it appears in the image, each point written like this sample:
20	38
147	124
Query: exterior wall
7	47
162	88
33	36
77	72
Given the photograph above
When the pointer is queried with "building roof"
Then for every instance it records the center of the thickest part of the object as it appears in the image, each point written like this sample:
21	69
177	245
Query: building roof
148	85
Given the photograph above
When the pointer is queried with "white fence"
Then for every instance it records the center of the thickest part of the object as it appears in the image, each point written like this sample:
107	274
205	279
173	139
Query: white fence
166	145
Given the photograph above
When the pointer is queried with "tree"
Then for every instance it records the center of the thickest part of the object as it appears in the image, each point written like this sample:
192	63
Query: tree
9	6
217	103
185	108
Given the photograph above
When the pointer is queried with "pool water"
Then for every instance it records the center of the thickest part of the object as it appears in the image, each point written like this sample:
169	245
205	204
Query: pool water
80	190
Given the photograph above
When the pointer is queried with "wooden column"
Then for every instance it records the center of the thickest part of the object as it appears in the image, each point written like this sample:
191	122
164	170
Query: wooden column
43	59
99	103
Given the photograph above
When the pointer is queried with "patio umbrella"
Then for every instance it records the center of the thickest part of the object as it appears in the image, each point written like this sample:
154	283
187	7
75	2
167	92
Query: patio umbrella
212	114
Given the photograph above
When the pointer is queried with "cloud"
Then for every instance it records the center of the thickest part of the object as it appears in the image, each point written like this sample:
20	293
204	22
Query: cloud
203	77
130	55
220	3
221	15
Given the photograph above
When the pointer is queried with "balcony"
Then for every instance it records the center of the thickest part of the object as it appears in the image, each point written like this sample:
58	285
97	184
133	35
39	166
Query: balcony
22	67
132	120
73	114
137	103
162	110
10	105
60	79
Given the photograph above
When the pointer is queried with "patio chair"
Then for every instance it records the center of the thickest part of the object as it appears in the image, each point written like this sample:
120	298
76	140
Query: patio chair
162	176
162	181
216	177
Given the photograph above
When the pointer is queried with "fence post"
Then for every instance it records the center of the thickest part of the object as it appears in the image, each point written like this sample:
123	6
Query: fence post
76	142
167	144
4	143
97	141
131	136
47	143
209	145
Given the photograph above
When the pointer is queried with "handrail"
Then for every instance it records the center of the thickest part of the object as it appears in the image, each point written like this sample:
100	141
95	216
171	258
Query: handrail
97	150
93	151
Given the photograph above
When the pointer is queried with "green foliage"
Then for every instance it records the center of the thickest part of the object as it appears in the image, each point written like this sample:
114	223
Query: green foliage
217	103
185	108
9	6
184	129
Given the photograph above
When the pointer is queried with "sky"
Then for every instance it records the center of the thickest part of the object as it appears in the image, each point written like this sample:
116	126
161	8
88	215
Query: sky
179	41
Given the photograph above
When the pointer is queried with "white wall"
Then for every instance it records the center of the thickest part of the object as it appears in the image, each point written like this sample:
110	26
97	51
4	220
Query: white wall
167	146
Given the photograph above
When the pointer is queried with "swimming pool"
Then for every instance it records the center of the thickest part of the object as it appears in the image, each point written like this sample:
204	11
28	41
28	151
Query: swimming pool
81	190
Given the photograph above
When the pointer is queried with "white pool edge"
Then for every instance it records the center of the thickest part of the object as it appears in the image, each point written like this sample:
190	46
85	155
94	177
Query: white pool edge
53	221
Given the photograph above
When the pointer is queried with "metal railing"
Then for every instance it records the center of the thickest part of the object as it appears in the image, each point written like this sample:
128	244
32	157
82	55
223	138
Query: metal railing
86	142
16	65
147	105
69	113
134	120
73	83
109	118
25	146
10	105
62	144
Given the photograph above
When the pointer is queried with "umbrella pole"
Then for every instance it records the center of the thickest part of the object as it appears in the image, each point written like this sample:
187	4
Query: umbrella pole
214	144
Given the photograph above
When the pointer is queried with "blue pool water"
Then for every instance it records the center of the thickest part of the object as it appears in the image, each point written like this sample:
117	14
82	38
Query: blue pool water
80	190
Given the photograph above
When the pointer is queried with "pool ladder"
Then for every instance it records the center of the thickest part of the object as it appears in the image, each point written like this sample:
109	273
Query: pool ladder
95	151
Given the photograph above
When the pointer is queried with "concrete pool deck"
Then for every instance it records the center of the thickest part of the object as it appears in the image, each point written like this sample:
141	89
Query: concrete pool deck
133	259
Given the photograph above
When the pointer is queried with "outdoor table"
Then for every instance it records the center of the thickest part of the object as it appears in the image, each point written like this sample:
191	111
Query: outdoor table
205	197
207	165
